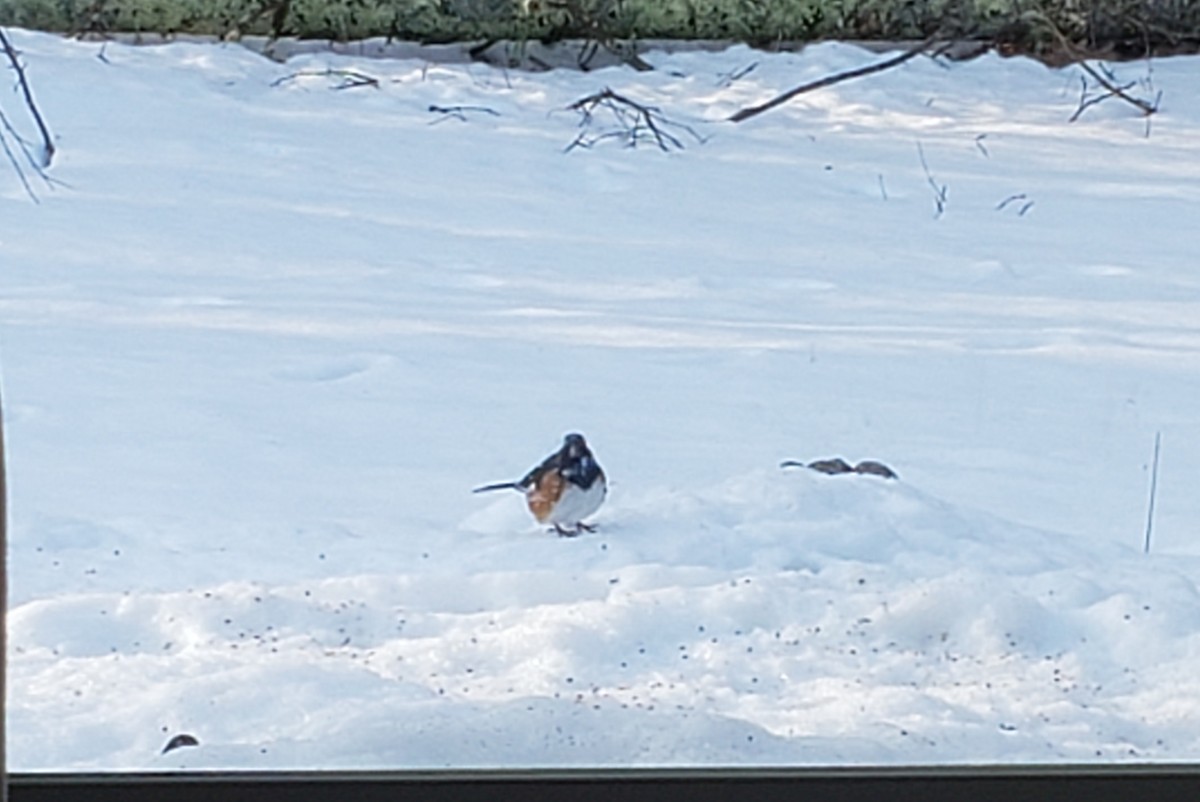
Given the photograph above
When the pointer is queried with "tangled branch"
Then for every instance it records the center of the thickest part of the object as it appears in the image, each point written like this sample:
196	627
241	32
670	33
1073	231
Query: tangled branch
1107	82
1102	77
634	123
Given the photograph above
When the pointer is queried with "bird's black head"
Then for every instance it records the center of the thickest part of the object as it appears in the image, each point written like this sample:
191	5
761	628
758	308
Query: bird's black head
574	445
576	461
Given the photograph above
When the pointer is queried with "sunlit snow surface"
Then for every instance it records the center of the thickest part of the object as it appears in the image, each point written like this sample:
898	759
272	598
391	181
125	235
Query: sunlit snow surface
265	334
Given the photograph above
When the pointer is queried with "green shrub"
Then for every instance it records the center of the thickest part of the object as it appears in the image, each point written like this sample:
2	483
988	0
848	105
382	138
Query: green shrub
1122	25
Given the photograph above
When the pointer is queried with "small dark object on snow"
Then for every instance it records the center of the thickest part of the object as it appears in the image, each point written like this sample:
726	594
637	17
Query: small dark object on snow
179	741
830	466
875	469
836	465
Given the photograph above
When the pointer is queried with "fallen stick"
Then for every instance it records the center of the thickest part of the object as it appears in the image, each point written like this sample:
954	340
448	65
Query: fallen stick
830	80
1153	491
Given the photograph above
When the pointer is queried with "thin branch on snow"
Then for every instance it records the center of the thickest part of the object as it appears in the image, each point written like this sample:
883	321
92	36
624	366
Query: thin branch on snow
727	79
1102	76
635	123
939	190
14	161
38	158
459	112
1153	490
1145	106
26	146
1011	199
27	93
1087	100
830	80
350	79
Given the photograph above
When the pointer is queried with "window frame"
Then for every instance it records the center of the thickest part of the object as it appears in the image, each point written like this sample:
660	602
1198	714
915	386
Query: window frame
849	784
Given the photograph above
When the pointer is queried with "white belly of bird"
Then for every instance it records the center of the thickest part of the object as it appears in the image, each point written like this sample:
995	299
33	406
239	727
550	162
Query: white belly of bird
577	503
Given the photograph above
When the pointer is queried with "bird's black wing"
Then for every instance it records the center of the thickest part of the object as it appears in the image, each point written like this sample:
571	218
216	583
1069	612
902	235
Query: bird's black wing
550	463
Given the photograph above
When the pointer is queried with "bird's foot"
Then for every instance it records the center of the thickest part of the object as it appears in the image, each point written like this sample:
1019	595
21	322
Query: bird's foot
576	531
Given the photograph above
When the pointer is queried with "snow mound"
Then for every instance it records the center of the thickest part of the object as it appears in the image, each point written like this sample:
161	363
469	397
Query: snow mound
776	618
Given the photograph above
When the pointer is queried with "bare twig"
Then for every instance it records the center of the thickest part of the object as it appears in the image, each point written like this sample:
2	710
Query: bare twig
1153	490
635	123
939	190
350	79
1010	199
476	52
11	140
1145	106
586	53
1112	90
1026	206
459	112
1086	102
27	93
6	124
1102	76
15	162
727	79
830	80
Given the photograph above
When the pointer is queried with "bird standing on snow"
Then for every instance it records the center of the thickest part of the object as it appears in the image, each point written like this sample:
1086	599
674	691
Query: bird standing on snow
566	488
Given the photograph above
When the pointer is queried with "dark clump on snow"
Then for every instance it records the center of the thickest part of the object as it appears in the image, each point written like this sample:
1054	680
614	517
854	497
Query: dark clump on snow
180	741
837	465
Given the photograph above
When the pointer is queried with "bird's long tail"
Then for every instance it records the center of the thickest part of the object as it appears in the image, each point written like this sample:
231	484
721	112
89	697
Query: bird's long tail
498	486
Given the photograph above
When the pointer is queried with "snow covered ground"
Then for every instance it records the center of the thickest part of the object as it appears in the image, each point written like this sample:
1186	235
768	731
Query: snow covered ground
266	334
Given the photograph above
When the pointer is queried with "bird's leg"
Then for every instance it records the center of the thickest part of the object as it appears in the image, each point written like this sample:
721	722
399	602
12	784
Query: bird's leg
582	527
